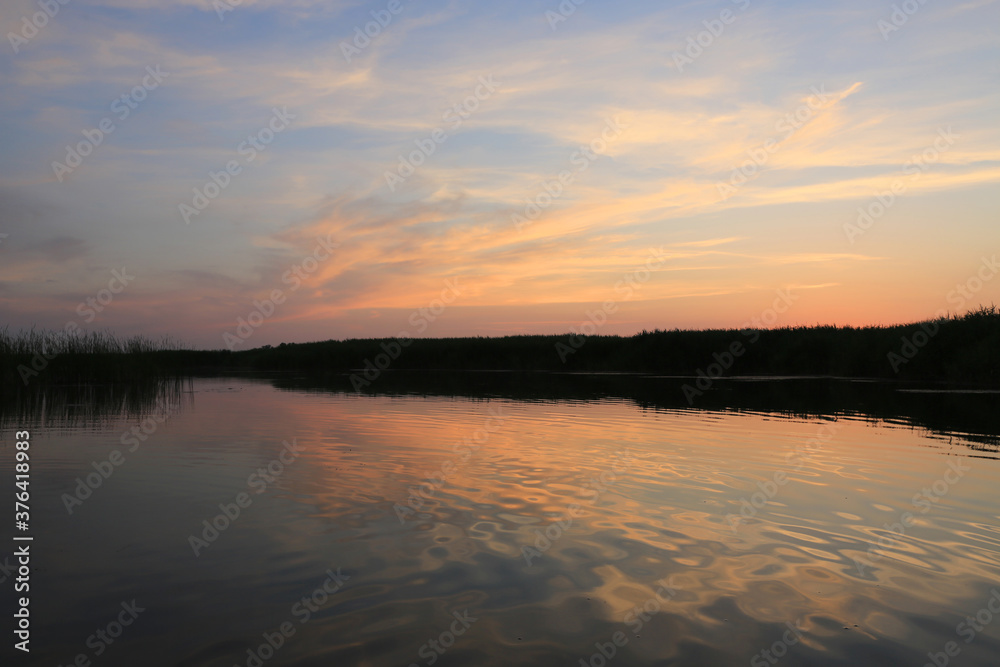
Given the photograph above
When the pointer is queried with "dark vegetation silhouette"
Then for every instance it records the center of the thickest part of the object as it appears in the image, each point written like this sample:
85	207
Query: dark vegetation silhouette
965	348
962	349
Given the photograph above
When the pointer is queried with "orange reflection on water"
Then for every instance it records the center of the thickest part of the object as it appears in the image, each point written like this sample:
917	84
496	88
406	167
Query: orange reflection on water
594	503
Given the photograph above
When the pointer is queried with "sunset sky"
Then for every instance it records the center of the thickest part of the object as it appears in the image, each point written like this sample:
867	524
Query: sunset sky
433	150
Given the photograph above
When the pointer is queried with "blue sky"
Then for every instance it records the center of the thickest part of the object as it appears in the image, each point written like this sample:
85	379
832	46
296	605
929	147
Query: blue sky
884	96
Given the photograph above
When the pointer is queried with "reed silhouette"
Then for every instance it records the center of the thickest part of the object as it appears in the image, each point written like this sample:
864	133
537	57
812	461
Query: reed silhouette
956	349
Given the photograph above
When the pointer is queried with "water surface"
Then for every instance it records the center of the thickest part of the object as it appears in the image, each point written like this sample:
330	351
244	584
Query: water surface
489	530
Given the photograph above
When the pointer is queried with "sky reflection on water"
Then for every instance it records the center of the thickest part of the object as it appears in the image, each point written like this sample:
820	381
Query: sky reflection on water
527	532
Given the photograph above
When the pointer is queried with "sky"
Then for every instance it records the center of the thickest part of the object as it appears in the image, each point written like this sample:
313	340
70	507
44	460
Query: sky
297	170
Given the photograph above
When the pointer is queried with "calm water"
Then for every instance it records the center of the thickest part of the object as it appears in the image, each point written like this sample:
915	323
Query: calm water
400	530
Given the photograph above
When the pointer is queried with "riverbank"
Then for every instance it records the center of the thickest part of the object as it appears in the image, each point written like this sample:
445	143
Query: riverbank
962	349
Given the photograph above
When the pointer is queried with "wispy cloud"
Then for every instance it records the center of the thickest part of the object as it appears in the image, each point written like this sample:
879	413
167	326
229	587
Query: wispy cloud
655	185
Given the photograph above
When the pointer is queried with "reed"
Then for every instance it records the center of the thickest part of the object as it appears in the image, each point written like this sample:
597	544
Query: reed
958	348
34	341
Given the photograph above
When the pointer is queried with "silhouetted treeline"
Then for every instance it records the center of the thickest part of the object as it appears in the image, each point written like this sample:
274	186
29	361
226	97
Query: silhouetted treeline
962	349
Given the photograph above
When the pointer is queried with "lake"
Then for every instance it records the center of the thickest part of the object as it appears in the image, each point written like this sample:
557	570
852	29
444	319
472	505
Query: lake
515	520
